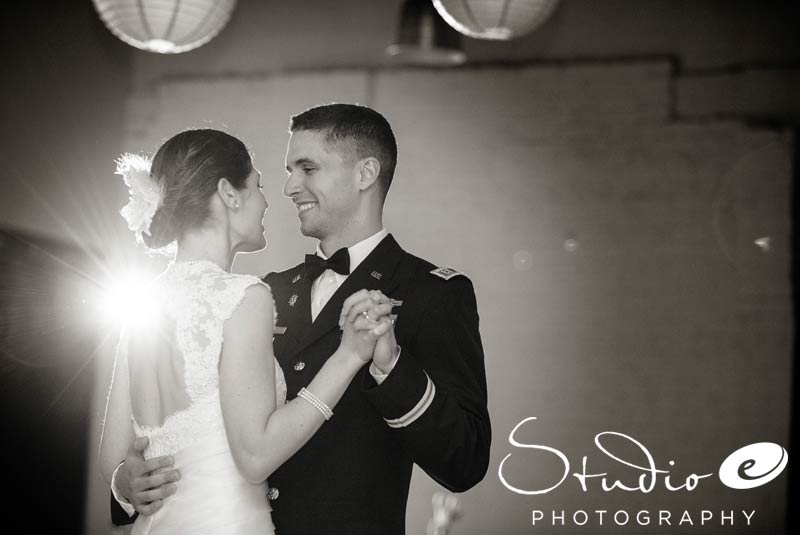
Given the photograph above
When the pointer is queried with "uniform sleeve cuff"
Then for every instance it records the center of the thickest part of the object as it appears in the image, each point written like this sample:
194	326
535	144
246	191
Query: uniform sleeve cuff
123	503
419	409
404	395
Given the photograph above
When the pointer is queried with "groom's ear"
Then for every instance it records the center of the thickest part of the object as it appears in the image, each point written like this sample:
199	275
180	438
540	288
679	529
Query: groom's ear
227	193
369	169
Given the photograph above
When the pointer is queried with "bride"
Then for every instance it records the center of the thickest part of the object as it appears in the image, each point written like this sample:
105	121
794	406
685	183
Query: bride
198	378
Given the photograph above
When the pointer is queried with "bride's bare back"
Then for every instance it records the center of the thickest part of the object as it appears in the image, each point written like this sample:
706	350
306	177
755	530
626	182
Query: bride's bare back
157	374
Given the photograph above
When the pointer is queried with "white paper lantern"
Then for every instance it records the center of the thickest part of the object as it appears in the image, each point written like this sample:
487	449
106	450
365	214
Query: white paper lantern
165	26
495	19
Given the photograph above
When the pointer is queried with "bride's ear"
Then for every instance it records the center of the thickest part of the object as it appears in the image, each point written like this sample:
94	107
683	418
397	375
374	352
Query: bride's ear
228	194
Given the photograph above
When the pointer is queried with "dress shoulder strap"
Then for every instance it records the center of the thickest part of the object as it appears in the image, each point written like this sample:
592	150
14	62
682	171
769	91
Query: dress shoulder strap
233	292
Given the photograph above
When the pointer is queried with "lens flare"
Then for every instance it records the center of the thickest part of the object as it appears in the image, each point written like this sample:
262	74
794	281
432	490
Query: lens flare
129	301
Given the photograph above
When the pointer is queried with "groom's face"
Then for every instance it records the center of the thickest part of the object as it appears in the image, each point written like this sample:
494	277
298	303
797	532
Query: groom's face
322	184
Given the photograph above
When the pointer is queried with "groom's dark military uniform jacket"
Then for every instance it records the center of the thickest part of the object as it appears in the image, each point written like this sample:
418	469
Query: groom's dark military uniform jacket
353	476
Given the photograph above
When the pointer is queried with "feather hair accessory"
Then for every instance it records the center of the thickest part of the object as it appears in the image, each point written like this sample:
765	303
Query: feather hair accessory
145	194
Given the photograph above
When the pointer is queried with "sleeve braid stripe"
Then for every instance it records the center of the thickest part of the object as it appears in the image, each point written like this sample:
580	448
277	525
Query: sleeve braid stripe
423	404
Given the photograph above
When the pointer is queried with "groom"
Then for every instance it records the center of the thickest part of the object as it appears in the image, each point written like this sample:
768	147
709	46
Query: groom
423	399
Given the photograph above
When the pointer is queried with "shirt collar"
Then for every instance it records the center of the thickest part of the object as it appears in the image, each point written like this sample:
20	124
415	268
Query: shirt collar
361	250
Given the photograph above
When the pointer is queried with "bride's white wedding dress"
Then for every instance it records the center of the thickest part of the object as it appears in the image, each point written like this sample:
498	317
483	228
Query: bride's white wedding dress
213	497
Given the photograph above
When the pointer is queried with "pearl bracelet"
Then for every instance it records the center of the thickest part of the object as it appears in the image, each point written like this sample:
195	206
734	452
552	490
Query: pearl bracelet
315	402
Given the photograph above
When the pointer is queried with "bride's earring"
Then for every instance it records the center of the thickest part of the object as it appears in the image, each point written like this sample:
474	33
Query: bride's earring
236	206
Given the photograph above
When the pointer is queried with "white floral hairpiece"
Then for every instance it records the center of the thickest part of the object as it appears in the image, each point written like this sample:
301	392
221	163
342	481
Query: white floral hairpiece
145	194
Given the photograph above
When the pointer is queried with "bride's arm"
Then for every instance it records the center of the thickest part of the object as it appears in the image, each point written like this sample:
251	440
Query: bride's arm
117	432
262	438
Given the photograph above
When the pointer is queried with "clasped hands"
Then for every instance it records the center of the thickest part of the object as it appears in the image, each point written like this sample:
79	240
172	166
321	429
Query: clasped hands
368	328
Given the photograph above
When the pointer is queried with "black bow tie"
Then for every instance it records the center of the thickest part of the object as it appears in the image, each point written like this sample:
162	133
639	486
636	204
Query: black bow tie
315	266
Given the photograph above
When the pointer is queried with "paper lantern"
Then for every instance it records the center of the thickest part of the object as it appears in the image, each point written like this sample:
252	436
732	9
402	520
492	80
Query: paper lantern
495	19
165	26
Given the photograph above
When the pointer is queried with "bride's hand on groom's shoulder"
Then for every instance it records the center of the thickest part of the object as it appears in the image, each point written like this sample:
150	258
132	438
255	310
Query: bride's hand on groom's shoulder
365	318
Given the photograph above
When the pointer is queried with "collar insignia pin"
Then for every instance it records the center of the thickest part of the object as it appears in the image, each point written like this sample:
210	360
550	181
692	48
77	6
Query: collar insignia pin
376	275
292	300
296	278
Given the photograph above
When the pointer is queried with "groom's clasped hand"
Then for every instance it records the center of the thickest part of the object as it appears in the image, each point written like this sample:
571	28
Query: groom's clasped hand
366	323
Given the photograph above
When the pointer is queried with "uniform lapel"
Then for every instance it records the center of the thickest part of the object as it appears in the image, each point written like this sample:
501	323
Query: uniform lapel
376	272
294	313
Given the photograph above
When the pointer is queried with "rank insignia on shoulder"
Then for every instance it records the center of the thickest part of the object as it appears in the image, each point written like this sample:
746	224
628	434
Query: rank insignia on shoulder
446	272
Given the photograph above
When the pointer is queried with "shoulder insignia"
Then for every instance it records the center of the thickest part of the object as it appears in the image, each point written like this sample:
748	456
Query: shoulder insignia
446	272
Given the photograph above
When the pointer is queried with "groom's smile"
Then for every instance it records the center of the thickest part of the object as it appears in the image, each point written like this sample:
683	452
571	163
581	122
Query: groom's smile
304	206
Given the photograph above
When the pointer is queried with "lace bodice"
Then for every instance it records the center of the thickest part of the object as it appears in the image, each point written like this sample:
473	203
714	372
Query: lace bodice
198	297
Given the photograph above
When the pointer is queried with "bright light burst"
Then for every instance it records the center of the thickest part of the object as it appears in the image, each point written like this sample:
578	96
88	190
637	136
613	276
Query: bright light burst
128	301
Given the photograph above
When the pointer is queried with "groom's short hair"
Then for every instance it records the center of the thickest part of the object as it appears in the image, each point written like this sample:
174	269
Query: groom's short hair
355	132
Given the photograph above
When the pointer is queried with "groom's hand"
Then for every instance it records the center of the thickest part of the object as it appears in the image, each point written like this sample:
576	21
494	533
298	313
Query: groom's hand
145	484
371	304
386	352
364	319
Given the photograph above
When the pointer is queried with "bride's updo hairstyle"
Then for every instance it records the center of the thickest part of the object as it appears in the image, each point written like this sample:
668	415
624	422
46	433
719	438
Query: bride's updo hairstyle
187	168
